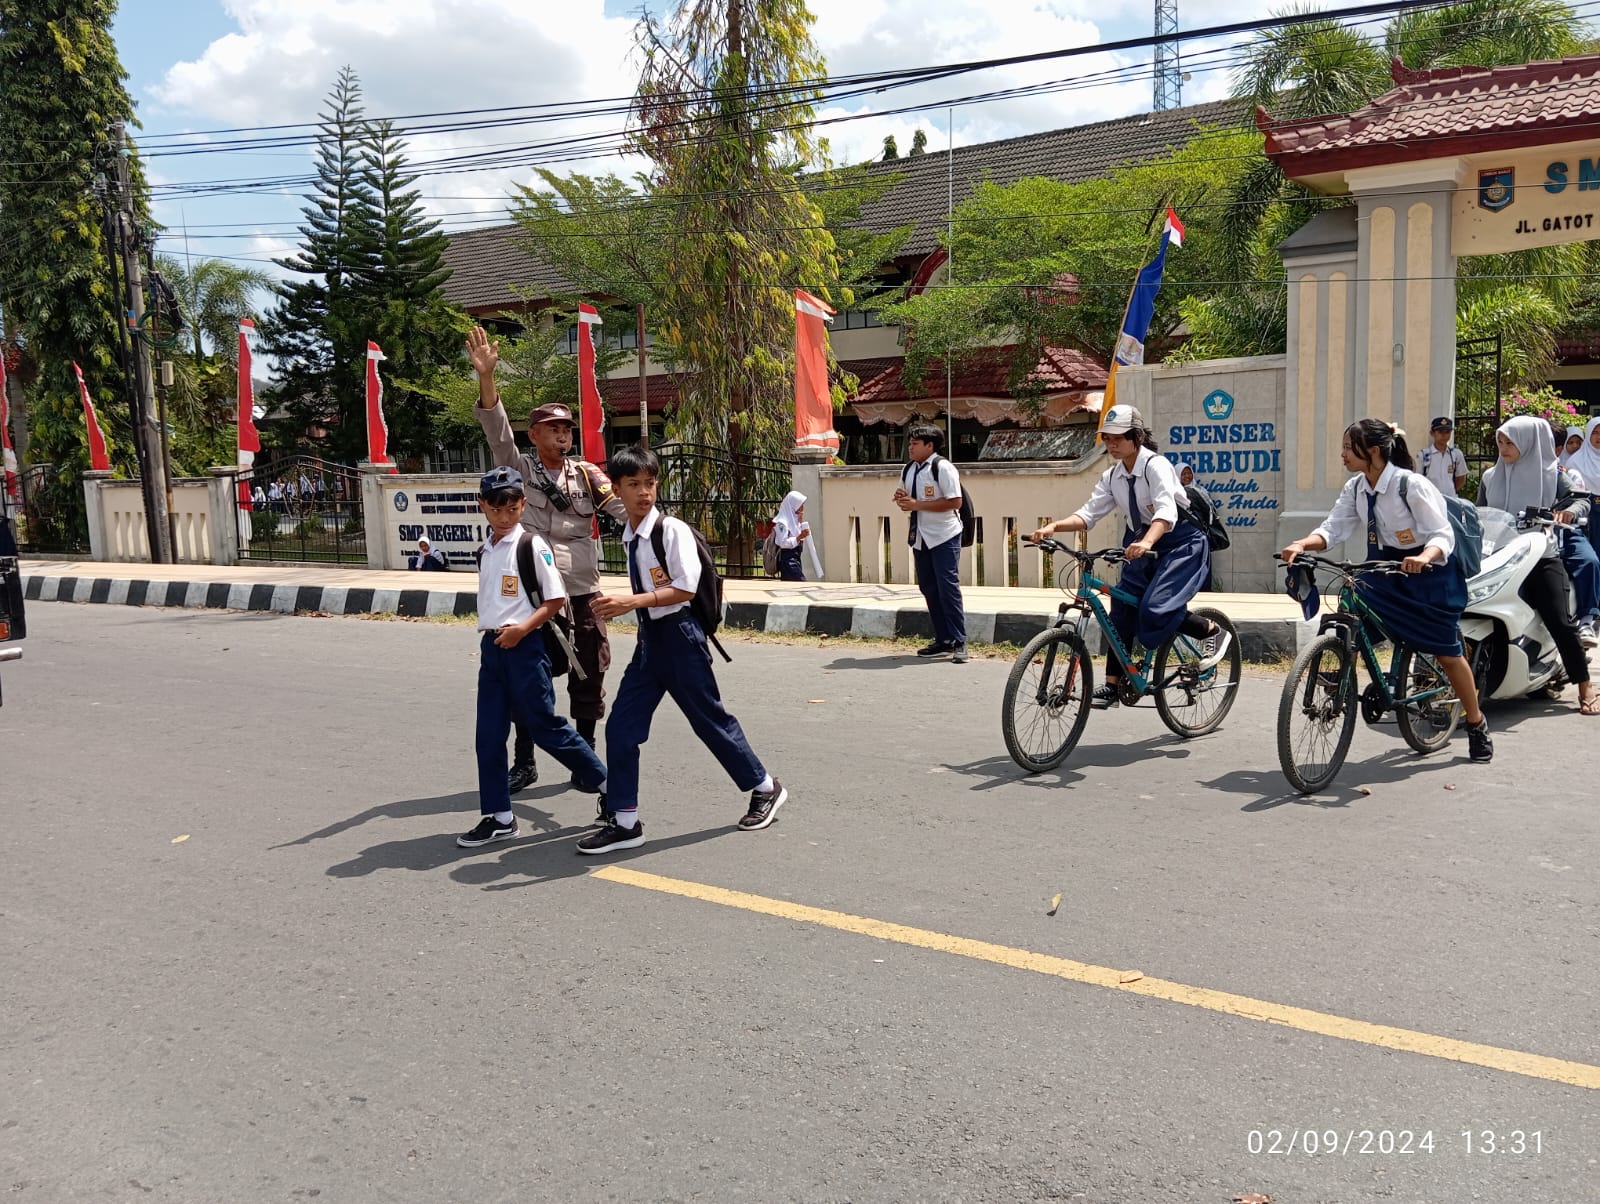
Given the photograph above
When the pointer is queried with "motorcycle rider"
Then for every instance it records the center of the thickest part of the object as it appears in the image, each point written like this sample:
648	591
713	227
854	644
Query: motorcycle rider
1527	475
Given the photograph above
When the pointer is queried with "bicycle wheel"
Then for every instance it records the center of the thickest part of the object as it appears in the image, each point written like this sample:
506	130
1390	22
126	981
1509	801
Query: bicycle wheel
1046	700
1317	714
1425	725
1193	701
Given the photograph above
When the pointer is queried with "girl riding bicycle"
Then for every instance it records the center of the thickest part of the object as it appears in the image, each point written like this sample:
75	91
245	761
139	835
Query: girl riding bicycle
1144	487
1421	609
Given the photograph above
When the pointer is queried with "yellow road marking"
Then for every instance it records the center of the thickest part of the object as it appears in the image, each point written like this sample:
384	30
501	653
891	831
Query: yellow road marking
1578	1074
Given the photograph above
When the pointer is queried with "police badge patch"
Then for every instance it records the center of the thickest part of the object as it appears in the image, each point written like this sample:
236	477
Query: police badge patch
1496	188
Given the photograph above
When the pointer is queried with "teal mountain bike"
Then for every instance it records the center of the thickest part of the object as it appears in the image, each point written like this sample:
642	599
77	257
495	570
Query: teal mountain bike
1317	713
1047	695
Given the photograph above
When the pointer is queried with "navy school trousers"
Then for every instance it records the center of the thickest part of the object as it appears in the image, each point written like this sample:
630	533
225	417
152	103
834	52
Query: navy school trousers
672	659
515	683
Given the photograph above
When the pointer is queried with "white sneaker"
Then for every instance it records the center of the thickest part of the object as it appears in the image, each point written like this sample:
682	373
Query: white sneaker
1587	635
1215	647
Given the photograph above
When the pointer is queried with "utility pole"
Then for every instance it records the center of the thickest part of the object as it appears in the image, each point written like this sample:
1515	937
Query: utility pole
145	432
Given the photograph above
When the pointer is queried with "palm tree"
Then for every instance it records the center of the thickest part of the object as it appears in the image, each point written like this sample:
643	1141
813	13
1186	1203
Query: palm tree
214	295
1322	67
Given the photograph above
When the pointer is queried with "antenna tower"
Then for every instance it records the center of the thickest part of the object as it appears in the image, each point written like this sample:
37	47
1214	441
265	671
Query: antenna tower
1169	75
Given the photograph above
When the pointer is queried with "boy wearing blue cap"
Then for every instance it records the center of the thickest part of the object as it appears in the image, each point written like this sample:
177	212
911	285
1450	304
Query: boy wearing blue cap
513	666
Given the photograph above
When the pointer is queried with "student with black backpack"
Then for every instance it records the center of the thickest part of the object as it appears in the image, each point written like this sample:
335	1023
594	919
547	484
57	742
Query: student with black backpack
669	570
930	492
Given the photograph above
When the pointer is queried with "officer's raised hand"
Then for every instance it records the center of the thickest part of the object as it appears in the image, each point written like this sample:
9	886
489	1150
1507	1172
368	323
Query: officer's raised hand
483	352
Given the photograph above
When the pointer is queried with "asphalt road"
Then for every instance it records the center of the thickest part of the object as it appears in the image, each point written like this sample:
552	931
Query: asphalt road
315	994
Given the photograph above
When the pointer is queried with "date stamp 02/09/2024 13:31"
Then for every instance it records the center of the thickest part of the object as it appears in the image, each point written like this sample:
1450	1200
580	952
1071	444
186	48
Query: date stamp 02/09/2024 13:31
1313	1142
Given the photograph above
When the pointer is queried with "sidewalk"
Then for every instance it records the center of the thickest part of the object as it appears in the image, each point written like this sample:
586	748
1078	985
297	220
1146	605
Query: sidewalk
1269	624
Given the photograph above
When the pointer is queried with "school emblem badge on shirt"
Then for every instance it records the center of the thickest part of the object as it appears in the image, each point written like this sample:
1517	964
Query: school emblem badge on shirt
1405	536
927	491
508	586
658	577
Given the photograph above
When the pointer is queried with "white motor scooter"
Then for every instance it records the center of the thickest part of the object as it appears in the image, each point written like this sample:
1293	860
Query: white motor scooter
1510	649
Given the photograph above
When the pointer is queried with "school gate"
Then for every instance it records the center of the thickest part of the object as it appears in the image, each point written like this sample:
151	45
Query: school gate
1450	162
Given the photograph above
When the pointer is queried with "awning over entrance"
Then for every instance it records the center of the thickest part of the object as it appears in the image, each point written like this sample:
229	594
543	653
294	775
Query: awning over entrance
978	389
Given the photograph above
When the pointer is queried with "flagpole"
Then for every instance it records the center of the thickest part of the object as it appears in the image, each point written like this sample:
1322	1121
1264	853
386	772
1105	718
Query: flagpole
1150	237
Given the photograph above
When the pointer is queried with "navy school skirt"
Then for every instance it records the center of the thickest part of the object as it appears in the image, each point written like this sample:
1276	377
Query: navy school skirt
1423	610
1163	585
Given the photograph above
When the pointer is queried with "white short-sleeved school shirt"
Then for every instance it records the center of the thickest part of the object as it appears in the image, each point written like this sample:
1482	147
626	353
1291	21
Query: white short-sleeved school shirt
682	570
1410	523
1443	467
934	478
501	599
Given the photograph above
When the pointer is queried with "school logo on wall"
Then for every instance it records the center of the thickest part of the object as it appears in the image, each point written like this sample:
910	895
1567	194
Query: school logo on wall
1496	188
1218	405
401	502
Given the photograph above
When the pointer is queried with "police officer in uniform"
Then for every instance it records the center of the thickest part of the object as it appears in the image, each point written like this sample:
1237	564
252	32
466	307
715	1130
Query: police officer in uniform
564	495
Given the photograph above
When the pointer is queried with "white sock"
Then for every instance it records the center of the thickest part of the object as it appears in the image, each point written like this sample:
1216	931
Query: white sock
766	785
503	817
626	819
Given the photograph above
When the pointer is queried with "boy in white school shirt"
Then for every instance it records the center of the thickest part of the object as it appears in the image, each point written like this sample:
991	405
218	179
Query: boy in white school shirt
671	657
513	667
1441	461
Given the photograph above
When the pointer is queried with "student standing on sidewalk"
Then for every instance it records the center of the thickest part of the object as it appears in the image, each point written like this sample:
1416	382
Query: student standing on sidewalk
564	496
671	658
513	667
930	492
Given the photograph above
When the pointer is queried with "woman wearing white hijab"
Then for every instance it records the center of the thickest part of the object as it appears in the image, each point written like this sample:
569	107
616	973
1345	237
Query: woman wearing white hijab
789	530
1526	474
1570	443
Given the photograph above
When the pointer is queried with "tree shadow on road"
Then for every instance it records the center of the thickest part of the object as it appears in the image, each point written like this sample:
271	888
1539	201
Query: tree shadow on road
1003	771
1397	766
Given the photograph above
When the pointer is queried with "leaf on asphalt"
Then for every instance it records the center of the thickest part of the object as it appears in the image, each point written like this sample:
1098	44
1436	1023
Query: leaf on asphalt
1055	904
1130	976
1252	1198
1363	789
1449	785
816	700
180	839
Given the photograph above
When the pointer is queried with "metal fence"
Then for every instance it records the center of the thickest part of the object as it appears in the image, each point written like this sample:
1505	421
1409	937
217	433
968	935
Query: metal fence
730	499
1478	368
302	508
53	518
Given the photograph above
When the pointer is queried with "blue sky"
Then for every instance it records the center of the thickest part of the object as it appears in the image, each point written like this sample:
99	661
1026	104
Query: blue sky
206	64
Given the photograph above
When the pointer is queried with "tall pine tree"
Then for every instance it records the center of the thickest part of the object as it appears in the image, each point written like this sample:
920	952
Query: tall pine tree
317	331
61	88
401	279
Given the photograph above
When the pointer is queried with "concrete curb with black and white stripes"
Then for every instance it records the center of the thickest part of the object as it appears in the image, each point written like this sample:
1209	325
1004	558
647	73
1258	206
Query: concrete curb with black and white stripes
1260	638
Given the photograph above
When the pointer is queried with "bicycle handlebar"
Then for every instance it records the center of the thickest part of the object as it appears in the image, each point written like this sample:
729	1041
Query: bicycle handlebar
1109	555
1351	568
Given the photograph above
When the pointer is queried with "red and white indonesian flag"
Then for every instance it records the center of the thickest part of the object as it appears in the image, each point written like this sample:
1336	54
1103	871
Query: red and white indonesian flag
377	428
8	457
1173	230
249	437
591	412
813	403
98	458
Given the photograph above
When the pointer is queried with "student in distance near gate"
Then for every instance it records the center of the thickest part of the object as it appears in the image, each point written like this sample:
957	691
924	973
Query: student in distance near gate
513	667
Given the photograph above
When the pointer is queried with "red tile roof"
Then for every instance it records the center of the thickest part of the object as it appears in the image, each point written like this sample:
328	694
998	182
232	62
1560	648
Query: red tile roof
1443	112
983	373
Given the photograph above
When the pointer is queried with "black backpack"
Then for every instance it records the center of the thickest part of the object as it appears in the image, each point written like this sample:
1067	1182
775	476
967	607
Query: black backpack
969	523
706	605
555	645
1204	515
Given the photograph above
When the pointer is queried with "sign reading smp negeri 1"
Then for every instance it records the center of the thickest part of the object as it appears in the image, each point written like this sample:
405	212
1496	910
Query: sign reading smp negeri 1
1538	198
445	509
1235	462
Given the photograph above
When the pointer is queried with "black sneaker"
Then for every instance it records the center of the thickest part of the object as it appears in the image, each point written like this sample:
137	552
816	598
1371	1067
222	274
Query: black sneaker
488	831
603	814
958	654
937	648
522	776
612	838
764	806
1479	746
1106	697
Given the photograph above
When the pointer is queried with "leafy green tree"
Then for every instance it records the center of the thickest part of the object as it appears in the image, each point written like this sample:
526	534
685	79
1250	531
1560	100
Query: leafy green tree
1318	67
723	111
399	281
61	88
1044	263
919	144
317	331
891	150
